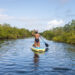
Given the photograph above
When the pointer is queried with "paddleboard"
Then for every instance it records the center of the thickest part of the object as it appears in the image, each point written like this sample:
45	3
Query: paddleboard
38	49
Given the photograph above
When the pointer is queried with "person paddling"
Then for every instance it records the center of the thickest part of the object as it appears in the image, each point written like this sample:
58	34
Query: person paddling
37	41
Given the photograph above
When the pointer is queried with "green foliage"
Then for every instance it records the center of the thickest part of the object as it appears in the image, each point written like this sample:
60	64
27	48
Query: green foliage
62	34
48	35
8	32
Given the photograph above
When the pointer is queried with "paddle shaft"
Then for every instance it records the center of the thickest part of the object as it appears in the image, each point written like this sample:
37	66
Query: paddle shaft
44	42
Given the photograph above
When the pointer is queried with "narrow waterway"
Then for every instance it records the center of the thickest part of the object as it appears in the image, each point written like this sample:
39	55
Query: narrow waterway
17	58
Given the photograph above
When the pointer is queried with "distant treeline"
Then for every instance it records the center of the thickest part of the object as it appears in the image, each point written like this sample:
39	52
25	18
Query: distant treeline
62	34
8	32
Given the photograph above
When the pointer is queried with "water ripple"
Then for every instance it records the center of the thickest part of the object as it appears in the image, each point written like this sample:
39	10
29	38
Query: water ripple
17	58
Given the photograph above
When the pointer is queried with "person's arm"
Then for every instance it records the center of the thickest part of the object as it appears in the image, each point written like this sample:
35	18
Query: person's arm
39	35
33	33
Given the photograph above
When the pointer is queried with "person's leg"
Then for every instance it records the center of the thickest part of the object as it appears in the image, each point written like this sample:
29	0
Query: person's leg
34	44
38	44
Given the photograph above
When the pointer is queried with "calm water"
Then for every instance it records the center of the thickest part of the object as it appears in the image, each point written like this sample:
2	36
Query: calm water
17	58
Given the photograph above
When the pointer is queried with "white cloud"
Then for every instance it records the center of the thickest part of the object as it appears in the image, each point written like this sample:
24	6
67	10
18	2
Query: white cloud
5	17
30	23
54	23
2	10
45	26
31	20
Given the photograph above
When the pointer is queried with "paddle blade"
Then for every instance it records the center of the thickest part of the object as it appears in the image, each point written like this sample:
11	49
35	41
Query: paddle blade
46	45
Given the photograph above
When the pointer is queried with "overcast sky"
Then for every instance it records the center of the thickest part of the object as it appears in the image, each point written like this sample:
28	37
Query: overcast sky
37	14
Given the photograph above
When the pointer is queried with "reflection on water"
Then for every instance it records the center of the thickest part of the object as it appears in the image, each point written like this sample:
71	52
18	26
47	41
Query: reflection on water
36	56
36	61
17	58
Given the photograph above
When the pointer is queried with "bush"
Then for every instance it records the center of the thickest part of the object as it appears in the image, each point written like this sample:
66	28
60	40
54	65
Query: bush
62	34
8	32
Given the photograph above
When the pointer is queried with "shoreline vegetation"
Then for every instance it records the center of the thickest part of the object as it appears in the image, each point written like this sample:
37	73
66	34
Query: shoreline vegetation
8	32
64	34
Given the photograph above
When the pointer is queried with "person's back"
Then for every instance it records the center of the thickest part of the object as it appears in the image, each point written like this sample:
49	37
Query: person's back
37	42
37	36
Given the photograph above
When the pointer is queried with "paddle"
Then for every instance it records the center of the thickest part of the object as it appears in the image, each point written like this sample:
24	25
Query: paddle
46	44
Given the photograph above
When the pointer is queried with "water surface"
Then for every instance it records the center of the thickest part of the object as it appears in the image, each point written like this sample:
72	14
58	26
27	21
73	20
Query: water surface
17	58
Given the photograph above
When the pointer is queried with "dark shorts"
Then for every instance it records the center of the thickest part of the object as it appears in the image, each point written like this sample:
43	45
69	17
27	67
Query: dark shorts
37	40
